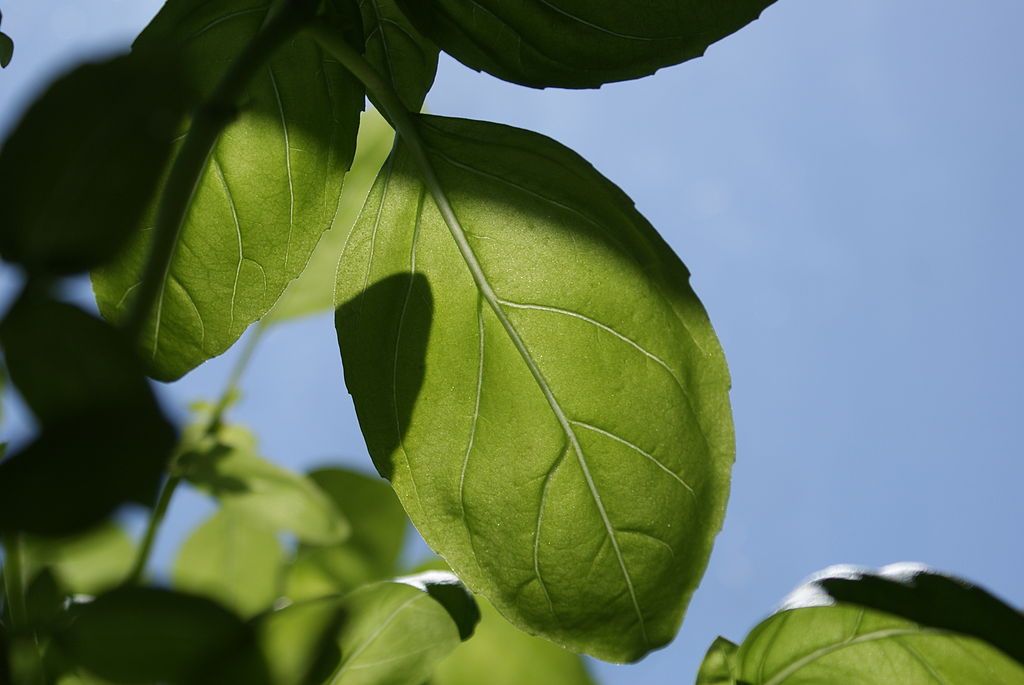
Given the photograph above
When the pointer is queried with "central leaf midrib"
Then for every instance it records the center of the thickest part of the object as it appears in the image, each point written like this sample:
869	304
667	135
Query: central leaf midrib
433	183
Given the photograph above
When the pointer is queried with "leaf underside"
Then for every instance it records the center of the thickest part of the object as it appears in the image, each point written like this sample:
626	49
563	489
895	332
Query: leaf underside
558	429
577	43
269	191
850	644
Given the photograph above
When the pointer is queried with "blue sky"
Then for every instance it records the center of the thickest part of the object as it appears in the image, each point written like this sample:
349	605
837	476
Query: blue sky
843	179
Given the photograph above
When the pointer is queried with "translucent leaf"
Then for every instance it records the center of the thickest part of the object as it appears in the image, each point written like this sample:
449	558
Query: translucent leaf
233	559
545	391
313	291
270	189
577	43
398	51
814	639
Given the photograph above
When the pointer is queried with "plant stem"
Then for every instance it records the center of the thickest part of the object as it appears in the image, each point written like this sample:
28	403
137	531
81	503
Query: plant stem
14	590
155	519
171	484
284	18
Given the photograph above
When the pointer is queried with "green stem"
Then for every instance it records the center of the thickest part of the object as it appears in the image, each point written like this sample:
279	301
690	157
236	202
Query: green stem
157	518
171	485
284	18
14	589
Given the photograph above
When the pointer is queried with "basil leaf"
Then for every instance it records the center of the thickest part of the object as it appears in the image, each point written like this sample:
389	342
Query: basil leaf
270	190
226	465
521	392
577	43
397	50
232	559
75	187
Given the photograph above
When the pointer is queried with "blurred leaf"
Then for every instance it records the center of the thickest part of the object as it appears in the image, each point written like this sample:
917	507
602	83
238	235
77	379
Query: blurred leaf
85	160
271	187
6	50
227	466
573	44
815	640
398	51
520	384
500	654
300	641
44	600
313	291
86	564
719	665
232	559
104	439
370	553
146	635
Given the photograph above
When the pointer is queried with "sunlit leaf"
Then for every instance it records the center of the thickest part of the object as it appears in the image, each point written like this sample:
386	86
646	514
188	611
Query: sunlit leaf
370	553
227	466
232	559
550	405
577	43
146	635
75	187
398	51
313	291
270	190
814	639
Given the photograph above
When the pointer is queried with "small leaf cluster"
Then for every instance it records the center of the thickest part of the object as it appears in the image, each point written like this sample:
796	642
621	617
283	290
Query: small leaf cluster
533	375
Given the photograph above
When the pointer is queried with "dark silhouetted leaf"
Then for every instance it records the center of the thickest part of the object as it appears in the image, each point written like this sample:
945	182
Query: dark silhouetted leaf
6	50
84	162
545	391
104	440
271	187
577	43
448	591
146	635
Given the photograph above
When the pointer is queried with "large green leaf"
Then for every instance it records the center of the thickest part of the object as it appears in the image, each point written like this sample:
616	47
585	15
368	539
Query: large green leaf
226	465
104	440
370	553
551	405
577	43
313	291
399	51
934	629
500	654
84	161
233	559
269	191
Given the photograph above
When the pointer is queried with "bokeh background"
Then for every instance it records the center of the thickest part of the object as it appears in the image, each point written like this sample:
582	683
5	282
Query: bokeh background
845	180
